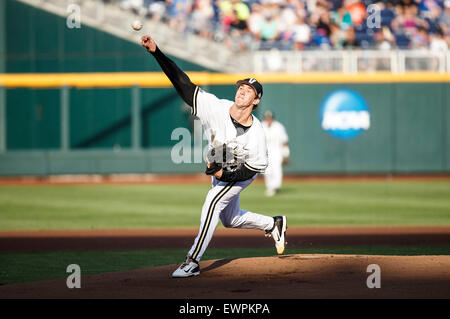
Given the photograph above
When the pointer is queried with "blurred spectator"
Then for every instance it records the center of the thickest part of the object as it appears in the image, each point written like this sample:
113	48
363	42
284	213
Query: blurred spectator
306	24
337	36
335	5
230	8
438	43
350	41
287	20
179	11
287	17
384	39
300	8
444	20
157	10
202	15
408	21
269	28
239	34
236	22
302	33
387	13
342	18
256	19
427	6
321	21
137	6
357	11
242	10
420	39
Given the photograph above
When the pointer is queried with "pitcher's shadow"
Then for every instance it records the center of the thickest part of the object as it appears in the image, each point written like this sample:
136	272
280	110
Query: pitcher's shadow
218	263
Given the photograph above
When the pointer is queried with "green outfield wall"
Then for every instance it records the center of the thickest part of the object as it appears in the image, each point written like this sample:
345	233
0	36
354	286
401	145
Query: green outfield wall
40	42
409	133
77	130
409	128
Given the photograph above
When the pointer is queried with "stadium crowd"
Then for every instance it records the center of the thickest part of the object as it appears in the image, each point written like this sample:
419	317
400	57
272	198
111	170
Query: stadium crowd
307	24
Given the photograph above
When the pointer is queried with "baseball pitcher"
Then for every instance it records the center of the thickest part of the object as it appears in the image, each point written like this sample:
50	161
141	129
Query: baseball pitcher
237	153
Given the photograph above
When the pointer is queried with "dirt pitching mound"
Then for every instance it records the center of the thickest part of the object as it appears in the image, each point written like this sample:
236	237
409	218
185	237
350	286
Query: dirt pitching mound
280	277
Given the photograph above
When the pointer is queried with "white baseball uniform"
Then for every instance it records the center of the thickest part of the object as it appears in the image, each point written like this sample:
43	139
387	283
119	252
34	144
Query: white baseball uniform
222	201
276	137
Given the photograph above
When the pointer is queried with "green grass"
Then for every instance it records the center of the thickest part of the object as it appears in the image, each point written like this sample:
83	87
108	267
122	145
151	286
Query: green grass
162	206
24	267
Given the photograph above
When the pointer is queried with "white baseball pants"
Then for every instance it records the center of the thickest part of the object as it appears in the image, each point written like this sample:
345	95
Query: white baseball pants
222	202
273	176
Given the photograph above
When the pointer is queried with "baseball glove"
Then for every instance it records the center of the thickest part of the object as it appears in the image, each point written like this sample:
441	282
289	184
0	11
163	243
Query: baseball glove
213	168
285	152
221	154
218	156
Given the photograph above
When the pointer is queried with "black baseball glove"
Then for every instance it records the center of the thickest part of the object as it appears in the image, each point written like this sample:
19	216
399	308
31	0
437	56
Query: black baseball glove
213	168
217	156
221	154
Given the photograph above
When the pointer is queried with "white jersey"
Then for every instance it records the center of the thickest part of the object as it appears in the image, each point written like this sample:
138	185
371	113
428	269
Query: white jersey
214	114
276	137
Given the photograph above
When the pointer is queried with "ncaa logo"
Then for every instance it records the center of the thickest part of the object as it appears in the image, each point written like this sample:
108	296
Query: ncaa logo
344	114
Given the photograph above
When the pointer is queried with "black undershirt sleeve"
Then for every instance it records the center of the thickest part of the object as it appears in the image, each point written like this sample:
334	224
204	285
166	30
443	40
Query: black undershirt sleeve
179	79
186	89
241	174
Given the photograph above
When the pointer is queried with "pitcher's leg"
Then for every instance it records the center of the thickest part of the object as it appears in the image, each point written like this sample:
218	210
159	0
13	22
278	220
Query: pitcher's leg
216	200
277	176
274	227
270	180
234	217
248	220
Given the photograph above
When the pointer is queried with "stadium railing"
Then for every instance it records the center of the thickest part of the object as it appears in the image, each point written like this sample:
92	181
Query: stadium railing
395	61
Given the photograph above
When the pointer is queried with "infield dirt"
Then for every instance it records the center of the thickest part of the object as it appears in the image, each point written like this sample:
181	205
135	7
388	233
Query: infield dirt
280	277
125	239
288	276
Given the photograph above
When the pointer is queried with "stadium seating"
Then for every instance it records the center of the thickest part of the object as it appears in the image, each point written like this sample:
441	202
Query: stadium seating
328	20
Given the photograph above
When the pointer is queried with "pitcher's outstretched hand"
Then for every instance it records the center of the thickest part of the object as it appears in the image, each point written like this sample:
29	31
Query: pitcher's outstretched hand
148	43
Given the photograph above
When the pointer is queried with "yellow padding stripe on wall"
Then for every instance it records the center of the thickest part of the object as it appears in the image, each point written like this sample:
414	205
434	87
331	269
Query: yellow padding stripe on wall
158	79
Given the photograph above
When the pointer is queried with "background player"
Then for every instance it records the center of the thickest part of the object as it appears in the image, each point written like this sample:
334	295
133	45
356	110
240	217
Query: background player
278	149
237	152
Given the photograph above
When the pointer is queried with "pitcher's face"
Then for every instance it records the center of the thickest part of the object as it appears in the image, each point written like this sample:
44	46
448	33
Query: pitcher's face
245	96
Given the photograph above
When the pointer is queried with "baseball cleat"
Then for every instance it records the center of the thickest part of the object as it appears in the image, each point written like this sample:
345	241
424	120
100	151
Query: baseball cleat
188	268
278	233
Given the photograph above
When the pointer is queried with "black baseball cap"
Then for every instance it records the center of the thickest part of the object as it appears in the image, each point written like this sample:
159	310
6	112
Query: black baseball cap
254	84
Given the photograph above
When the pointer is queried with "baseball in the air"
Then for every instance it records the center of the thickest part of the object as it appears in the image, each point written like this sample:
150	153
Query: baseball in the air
137	25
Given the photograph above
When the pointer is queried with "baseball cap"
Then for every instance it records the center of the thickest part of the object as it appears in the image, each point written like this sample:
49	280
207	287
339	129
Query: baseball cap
254	84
